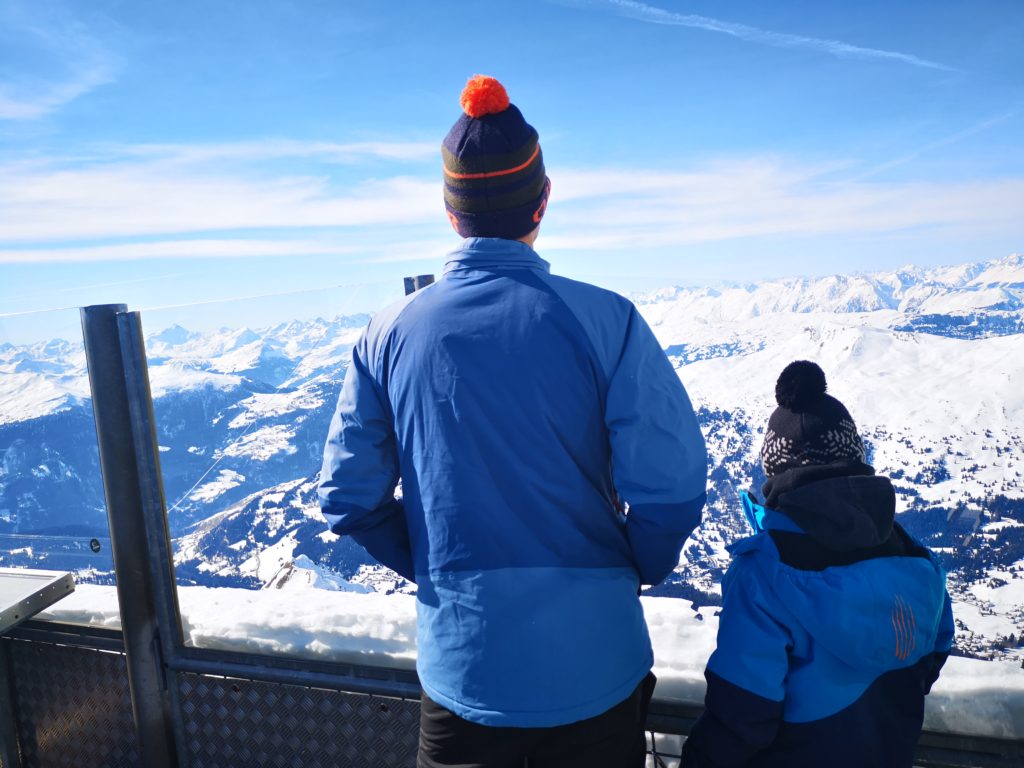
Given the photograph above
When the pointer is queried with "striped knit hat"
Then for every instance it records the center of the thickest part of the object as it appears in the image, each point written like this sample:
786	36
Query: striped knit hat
494	180
810	427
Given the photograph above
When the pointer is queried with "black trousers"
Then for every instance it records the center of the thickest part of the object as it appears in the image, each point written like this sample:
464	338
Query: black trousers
613	739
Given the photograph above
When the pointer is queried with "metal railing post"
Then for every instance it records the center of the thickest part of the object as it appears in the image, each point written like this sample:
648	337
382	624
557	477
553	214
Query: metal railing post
154	507
413	284
128	537
151	485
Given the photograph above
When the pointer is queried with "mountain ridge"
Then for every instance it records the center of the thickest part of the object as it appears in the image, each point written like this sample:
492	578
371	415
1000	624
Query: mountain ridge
925	359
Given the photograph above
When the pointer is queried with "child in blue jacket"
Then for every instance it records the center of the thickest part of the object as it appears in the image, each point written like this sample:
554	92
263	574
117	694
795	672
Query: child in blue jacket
835	622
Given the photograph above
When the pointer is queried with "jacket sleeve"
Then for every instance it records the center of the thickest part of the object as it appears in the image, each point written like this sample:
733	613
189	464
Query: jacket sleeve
360	469
944	638
745	675
659	461
943	645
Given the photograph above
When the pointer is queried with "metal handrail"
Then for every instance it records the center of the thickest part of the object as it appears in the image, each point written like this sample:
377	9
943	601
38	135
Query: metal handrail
936	749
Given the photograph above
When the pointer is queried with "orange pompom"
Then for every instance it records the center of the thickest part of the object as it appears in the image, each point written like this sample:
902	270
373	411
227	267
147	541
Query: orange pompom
483	96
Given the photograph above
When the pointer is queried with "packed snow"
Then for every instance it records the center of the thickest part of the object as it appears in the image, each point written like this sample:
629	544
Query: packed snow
179	375
897	386
28	394
225	480
262	444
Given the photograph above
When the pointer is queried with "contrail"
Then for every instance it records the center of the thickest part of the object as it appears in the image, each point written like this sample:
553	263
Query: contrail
945	140
654	15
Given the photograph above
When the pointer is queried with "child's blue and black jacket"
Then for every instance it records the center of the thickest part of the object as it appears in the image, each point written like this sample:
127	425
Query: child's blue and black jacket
519	408
834	625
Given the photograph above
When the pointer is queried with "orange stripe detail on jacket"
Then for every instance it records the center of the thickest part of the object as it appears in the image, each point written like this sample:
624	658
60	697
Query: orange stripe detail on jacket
896	629
905	626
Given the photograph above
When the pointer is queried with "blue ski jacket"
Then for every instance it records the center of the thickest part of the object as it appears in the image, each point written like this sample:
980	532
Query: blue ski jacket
832	631
520	410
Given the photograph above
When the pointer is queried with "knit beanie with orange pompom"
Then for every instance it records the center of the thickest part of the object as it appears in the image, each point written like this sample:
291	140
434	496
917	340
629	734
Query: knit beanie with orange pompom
494	180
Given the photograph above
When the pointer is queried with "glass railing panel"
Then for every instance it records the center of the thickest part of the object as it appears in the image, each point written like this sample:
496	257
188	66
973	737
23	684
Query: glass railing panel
52	510
244	391
243	394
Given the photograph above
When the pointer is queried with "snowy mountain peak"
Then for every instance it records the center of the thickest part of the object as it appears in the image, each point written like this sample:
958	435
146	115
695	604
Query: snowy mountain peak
171	336
994	286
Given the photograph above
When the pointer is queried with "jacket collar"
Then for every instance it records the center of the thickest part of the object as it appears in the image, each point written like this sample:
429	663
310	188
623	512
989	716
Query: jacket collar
843	513
494	253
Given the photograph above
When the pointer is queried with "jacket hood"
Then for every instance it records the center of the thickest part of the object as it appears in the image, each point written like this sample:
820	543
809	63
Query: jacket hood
878	614
842	513
795	477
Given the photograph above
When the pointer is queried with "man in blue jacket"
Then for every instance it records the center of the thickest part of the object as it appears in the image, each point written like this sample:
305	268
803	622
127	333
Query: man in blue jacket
522	412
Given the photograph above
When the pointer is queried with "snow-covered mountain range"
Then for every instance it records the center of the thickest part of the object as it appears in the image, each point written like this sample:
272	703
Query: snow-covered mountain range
929	365
927	361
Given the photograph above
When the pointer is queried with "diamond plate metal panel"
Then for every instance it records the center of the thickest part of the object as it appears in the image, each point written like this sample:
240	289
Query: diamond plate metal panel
230	722
73	706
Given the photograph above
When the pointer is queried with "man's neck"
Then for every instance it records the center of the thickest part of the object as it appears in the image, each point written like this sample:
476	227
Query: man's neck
530	238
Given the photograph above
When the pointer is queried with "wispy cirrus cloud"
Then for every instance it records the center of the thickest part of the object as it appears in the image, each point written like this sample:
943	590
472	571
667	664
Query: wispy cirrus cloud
757	198
54	59
654	15
133	204
148	191
944	141
31	100
200	248
277	149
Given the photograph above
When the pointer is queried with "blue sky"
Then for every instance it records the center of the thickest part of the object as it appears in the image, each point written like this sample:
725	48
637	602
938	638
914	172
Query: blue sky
164	153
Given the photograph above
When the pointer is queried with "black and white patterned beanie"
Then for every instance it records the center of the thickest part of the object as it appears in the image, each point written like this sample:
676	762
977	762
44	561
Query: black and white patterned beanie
809	427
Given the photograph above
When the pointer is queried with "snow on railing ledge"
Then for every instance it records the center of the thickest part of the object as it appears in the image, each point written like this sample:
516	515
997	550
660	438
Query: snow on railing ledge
975	698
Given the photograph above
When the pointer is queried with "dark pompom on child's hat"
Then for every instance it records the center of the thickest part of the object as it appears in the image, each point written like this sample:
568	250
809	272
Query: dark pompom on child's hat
494	179
810	427
800	385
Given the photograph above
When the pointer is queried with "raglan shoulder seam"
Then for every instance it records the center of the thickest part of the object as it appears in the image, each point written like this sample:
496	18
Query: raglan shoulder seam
381	324
608	363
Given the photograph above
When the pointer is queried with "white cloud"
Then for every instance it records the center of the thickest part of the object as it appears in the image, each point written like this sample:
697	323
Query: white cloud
938	143
367	248
763	198
654	15
142	198
17	104
176	249
212	204
67	61
273	149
